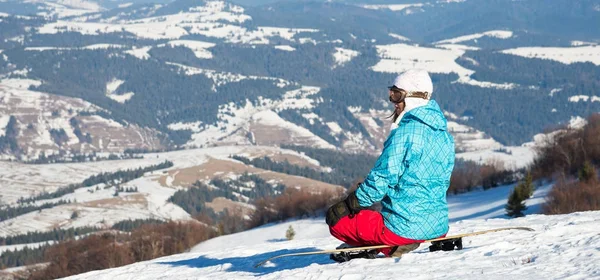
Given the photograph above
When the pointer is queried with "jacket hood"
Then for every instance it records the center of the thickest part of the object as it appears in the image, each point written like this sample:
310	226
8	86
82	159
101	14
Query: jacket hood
430	114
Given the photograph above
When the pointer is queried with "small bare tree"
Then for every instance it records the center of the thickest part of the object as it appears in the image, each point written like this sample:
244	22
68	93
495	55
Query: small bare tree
290	233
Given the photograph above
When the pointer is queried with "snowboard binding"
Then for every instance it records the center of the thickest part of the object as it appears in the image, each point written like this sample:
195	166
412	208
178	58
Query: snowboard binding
446	245
341	257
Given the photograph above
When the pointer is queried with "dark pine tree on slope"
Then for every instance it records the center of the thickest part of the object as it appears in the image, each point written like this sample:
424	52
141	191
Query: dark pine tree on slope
516	202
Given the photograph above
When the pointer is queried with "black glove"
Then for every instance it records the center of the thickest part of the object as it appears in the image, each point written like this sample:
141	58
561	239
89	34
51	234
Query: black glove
352	204
346	207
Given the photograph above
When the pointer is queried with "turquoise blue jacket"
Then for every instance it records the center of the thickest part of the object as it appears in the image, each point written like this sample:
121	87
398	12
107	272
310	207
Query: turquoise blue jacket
412	175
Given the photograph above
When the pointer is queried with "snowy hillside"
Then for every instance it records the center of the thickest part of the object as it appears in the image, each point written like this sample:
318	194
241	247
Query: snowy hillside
98	206
562	246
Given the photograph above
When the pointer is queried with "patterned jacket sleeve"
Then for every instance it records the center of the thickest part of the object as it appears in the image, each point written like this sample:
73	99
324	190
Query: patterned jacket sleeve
387	171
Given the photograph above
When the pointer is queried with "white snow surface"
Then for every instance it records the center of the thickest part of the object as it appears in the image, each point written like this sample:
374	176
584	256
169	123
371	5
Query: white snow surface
285	48
17	247
577	122
584	98
563	55
561	247
199	48
90	47
343	56
502	34
399	37
392	7
141	53
112	86
125	5
3	122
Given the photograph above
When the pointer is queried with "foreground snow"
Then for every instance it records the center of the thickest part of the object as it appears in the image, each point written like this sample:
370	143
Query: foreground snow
562	246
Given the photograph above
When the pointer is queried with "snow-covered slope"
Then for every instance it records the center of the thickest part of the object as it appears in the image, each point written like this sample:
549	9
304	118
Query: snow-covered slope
562	246
39	115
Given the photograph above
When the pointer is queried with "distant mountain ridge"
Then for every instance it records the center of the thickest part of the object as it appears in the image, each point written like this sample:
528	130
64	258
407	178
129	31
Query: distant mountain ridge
216	73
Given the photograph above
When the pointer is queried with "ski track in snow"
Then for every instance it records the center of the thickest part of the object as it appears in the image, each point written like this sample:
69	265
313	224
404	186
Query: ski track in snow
562	246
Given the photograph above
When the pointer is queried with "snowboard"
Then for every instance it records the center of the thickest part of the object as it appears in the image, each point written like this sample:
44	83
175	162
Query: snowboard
364	248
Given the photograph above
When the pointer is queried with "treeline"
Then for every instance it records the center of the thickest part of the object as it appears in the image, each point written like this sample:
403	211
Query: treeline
572	157
468	175
126	189
108	250
11	212
63	157
568	150
59	234
249	185
25	256
582	194
246	188
346	168
193	199
8	142
288	168
54	235
292	203
130	225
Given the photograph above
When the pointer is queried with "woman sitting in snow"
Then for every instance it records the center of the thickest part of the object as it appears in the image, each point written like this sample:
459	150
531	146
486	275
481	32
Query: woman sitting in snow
410	177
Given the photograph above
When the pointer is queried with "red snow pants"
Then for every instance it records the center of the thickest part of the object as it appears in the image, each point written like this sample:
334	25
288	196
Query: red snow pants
366	229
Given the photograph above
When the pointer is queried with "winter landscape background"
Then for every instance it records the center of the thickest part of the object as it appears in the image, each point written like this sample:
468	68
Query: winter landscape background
161	124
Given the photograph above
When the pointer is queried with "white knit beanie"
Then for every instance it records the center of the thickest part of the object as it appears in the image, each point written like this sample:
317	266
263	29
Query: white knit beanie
414	80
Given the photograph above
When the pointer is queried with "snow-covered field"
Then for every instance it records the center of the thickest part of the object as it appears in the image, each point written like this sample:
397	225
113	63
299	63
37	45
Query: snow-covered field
563	55
561	247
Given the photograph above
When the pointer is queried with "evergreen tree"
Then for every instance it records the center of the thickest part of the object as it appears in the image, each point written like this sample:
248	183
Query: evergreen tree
587	173
516	202
527	186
